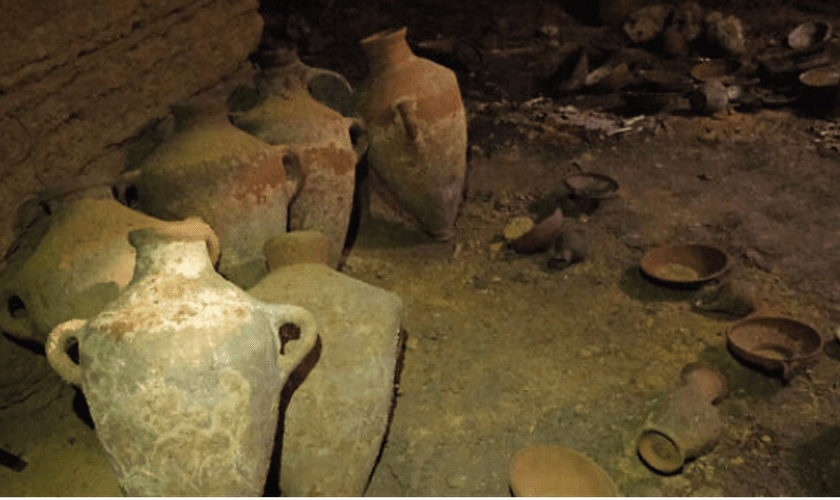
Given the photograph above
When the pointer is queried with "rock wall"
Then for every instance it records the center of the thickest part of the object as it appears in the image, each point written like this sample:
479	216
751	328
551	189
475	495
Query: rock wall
80	78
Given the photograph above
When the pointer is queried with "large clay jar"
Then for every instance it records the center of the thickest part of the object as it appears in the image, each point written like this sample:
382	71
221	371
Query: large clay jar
237	183
329	146
685	423
417	127
183	371
71	259
340	397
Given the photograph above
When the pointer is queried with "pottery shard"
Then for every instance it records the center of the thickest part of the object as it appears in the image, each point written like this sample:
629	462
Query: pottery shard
337	416
81	76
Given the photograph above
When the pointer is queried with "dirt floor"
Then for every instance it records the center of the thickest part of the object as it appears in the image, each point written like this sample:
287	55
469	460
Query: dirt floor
502	351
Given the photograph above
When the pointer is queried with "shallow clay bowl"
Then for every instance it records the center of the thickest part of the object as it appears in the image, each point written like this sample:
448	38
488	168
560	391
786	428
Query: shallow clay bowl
684	264
775	343
809	34
555	471
591	185
821	77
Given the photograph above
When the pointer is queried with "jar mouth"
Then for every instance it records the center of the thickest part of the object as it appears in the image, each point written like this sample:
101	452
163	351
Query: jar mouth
385	35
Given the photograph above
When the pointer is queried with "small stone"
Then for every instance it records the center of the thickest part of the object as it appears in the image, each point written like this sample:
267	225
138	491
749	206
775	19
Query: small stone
456	482
549	31
766	439
517	227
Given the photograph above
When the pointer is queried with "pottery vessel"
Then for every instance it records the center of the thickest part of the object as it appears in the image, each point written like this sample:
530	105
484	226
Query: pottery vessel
340	397
237	183
329	145
685	423
554	471
415	118
70	260
183	371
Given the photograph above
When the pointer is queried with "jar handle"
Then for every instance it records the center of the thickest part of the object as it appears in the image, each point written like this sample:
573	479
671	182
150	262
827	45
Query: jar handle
123	186
20	327
407	111
57	351
330	89
281	314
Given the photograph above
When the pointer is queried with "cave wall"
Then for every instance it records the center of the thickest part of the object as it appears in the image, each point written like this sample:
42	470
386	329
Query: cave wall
80	78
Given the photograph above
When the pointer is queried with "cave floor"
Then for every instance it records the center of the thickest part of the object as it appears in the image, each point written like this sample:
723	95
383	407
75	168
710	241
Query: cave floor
503	352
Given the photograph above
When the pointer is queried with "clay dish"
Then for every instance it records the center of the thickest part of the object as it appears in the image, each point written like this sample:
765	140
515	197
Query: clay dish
591	185
821	77
808	35
775	343
558	472
715	69
684	264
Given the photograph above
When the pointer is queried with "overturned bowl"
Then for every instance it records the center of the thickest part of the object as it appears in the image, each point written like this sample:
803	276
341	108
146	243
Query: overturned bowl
684	264
591	185
558	472
775	343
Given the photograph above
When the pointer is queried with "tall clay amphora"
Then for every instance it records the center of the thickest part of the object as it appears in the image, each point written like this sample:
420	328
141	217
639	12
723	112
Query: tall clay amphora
71	259
417	128
183	371
329	146
237	183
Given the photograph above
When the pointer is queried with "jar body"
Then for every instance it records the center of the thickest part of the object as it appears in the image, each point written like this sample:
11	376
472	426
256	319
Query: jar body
329	145
238	184
183	372
78	263
417	129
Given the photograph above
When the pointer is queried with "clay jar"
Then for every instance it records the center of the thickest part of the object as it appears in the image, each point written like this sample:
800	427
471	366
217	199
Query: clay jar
337	415
183	371
237	183
415	118
685	423
329	146
71	259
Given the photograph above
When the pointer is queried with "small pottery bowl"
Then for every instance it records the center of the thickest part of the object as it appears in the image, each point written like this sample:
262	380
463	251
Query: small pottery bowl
808	35
558	472
715	69
591	185
775	343
684	264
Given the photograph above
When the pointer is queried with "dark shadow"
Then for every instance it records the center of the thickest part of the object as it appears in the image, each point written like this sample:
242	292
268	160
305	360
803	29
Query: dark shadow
81	408
741	380
29	345
832	350
403	336
817	464
639	287
356	211
296	378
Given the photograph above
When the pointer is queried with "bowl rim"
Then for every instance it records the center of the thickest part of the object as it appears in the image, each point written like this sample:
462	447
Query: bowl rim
645	266
732	328
614	186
